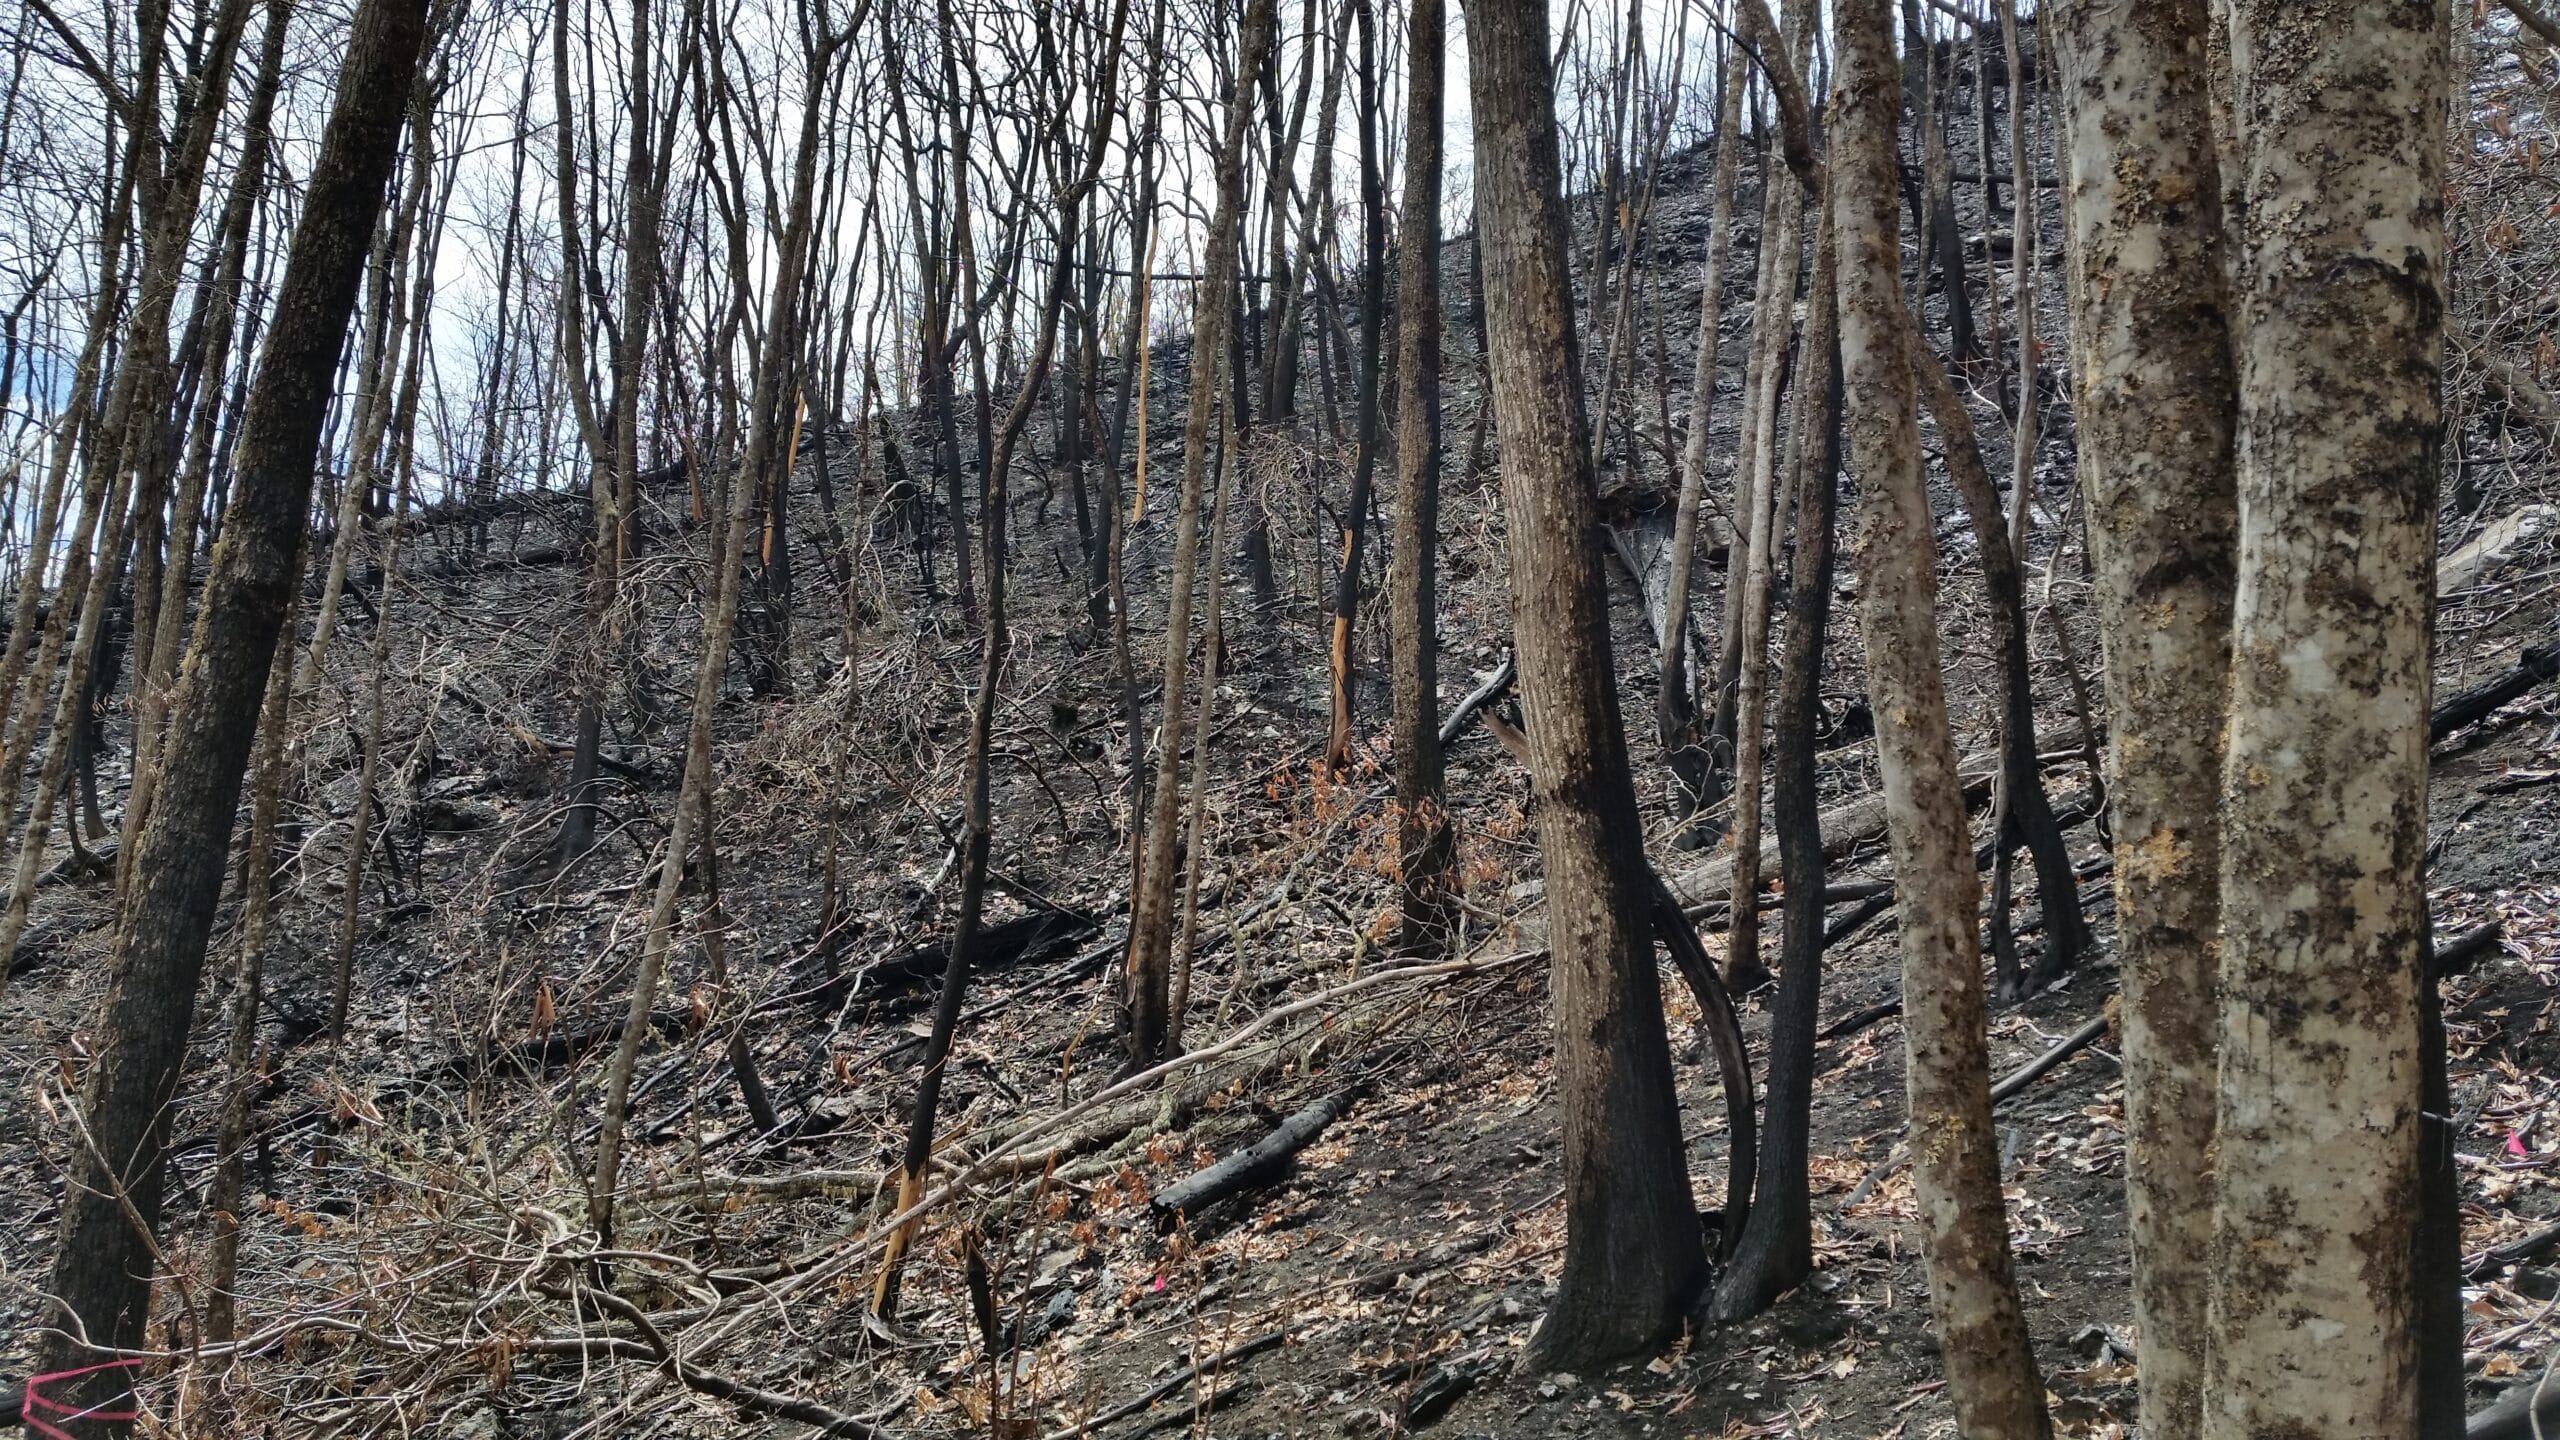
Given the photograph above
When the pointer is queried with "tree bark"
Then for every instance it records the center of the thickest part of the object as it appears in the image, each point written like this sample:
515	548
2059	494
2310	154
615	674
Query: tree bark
1776	1253
1633	1255
1992	1379
2340	324
2151	371
1425	847
1149	993
102	1263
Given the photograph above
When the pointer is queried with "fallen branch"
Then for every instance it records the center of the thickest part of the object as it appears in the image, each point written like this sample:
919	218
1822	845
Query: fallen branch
1478	698
1261	1164
2457	955
2530	1409
2070	1045
2009	1088
2537	664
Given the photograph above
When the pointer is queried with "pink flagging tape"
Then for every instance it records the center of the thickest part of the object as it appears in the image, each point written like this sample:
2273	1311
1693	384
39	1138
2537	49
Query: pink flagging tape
34	1399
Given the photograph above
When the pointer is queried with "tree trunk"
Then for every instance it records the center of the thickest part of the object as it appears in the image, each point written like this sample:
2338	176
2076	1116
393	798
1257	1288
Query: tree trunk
1685	754
1425	847
1633	1255
2027	813
1992	1379
2151	368
102	1262
1149	992
1373	320
2340	325
1776	1253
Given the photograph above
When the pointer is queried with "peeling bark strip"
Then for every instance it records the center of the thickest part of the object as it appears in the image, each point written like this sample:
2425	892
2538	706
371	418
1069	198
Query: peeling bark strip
1633	1257
2340	328
1991	1374
105	1257
2152	375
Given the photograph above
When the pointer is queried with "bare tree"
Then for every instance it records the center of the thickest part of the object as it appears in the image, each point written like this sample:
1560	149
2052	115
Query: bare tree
1692	767
105	1256
1991	1374
1633	1256
1424	843
1150	972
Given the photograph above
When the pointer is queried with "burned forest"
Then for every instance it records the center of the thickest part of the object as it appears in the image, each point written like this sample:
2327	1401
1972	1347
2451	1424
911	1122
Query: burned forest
1280	718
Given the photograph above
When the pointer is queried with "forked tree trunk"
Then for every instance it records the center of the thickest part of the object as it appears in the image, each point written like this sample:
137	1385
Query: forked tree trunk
1150	968
1955	1165
2340	325
2151	369
1425	848
1633	1256
103	1261
2026	812
1776	1253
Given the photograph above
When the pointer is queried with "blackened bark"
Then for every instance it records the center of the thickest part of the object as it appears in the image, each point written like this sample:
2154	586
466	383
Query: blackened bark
1776	1253
102	1267
1633	1255
1424	844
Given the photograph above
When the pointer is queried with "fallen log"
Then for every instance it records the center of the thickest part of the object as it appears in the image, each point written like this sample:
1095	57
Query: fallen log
2529	1409
2537	664
1845	828
1025	939
2483	553
1266	1162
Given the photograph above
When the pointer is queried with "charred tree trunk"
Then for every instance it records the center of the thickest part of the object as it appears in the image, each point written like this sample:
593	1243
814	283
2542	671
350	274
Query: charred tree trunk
2029	817
1425	846
1633	1255
103	1264
1373	320
1776	1253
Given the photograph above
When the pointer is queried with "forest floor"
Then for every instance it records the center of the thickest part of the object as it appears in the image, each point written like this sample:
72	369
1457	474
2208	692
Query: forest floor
417	1187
